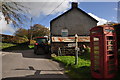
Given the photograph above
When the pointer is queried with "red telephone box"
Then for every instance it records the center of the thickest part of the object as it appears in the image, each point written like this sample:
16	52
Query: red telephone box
103	52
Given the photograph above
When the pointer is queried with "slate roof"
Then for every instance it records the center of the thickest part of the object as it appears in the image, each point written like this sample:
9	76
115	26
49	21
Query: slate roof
71	10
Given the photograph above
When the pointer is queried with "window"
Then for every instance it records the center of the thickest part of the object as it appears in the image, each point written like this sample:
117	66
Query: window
41	40
64	32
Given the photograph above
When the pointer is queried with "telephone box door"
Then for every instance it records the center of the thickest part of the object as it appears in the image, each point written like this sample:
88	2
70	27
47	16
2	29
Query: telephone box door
96	56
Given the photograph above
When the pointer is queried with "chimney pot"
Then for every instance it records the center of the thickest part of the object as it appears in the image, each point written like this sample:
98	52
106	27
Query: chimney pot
74	5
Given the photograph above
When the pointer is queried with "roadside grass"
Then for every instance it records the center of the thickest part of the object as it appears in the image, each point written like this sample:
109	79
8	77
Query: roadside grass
6	45
10	46
79	71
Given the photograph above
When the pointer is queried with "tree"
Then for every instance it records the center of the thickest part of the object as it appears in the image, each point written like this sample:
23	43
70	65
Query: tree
39	30
22	33
13	12
36	31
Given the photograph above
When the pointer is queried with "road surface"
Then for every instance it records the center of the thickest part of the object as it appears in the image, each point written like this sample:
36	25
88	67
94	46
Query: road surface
19	65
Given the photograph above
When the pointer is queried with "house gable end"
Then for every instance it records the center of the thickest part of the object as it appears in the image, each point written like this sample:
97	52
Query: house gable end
70	11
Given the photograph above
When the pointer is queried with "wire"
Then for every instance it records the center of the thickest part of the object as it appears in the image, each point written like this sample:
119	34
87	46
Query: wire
51	12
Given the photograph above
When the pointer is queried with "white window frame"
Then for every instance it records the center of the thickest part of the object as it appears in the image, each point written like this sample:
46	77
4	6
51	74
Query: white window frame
64	32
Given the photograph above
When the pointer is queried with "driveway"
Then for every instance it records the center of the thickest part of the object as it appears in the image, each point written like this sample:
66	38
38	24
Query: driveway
19	65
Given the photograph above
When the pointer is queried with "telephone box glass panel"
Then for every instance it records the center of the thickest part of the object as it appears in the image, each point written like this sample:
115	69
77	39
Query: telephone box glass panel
109	42
110	52
110	48
96	55
109	37
96	52
96	47
111	62
110	67
96	43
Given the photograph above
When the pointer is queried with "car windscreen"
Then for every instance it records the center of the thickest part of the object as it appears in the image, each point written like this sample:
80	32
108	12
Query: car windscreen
41	40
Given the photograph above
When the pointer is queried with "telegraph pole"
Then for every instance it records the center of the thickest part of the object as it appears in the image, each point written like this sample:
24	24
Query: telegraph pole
31	29
118	12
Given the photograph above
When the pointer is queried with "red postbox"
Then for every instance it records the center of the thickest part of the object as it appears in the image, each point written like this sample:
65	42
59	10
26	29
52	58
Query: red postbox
103	52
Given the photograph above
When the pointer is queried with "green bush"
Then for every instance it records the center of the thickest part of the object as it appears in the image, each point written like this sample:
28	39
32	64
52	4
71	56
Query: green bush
31	46
87	50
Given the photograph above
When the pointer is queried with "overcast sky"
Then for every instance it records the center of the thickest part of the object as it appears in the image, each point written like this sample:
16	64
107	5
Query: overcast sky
39	11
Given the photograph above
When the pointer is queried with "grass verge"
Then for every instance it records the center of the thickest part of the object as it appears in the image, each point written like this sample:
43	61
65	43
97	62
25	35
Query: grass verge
10	46
79	71
6	45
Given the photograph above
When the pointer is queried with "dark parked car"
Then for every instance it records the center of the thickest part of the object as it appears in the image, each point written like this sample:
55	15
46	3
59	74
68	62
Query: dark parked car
41	46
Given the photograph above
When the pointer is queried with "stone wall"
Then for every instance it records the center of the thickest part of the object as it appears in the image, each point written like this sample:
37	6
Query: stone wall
65	50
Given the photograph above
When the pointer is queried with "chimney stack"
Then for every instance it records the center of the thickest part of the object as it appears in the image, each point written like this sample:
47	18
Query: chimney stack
74	5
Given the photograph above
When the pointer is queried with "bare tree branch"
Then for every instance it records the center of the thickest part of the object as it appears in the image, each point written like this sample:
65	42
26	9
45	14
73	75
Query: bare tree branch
14	12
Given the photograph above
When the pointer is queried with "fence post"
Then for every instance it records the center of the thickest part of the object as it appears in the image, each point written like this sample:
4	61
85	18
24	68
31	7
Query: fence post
59	52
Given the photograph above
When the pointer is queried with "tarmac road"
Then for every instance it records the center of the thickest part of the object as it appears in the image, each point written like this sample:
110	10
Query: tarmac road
19	65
